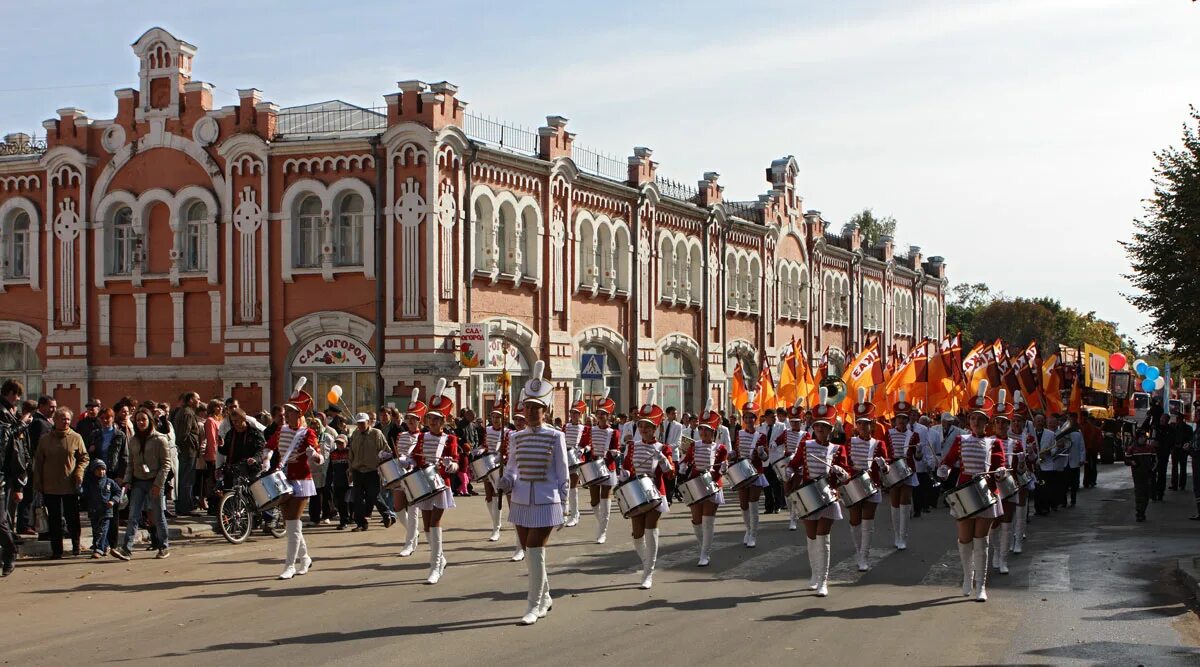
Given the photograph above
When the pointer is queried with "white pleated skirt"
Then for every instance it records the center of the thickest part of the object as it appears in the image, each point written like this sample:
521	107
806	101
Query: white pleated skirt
535	516
441	501
303	488
833	512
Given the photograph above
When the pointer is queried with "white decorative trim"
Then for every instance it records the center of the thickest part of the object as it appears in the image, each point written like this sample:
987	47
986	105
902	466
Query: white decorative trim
328	197
139	344
28	182
516	332
177	321
329	322
206	131
105	303
113	138
328	163
214	299
7	209
13	331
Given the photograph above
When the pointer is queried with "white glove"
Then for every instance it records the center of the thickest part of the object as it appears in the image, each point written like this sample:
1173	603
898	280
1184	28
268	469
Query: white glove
724	467
943	471
623	474
505	484
1001	473
882	463
449	465
385	455
839	473
762	452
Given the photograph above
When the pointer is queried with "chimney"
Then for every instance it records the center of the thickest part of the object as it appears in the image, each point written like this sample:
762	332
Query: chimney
710	192
197	96
914	255
937	266
553	139
247	116
888	243
641	167
433	105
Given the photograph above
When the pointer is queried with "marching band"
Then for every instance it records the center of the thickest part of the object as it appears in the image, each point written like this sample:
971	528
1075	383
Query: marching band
827	474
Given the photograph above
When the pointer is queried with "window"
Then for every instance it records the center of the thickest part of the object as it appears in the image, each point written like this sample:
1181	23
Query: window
308	234
121	243
505	238
731	282
348	232
604	256
621	263
666	269
16	264
484	235
804	294
587	255
195	238
753	284
20	362
676	377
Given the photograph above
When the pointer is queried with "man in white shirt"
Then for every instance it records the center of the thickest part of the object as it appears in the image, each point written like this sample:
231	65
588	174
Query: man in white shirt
925	495
670	433
771	428
1074	459
941	439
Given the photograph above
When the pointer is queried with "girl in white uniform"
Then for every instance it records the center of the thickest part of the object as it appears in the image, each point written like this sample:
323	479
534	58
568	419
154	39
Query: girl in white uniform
1023	462
294	449
977	453
814	459
706	455
495	440
866	453
440	448
752	446
406	443
604	445
645	456
792	438
578	437
1014	456
903	443
537	479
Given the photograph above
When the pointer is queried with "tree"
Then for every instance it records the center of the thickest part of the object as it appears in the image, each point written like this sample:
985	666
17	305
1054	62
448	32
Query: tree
871	228
964	308
1017	321
1165	249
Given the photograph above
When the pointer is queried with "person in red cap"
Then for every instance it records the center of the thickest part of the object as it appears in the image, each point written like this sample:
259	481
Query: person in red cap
604	443
976	453
752	446
437	447
1023	462
866	454
706	455
904	445
294	449
646	456
536	475
791	439
1014	454
815	459
579	437
403	448
495	440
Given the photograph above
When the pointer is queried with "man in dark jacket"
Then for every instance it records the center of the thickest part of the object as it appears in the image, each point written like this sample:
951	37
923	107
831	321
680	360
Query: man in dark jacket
188	437
1164	436
39	425
14	468
90	419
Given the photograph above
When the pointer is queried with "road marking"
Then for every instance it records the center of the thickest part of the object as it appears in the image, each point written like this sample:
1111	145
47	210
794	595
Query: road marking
846	570
1050	573
759	564
686	556
947	571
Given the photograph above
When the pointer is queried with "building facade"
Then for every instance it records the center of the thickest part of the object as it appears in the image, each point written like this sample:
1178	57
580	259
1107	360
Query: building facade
230	250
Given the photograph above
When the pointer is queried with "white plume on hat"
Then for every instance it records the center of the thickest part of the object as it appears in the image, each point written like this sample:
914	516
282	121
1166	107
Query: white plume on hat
300	382
651	393
537	390
862	394
708	406
579	394
1001	395
441	386
823	395
1016	396
607	391
900	396
983	385
416	396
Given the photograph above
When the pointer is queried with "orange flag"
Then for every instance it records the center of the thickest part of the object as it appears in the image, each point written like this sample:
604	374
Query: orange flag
1029	375
822	371
1075	405
766	387
738	394
941	377
1052	384
912	377
806	386
973	366
864	373
788	380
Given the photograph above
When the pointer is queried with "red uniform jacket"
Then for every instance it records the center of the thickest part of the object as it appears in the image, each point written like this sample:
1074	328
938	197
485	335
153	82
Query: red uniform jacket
297	468
720	455
799	462
659	476
450	449
609	453
953	458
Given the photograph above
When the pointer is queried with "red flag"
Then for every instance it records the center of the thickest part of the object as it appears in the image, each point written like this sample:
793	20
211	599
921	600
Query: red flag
1029	375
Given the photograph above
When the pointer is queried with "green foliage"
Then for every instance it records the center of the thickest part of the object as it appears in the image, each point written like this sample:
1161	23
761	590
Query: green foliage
870	228
1165	249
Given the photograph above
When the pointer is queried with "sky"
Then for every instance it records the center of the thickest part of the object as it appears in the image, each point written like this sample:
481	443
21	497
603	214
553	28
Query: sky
1015	138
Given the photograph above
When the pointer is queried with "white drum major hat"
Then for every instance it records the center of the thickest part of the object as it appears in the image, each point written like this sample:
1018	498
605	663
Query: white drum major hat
537	390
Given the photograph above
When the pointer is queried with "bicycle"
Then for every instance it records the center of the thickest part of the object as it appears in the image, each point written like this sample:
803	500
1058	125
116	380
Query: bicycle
237	515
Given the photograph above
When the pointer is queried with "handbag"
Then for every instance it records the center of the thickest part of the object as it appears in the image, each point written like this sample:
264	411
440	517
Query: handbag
41	520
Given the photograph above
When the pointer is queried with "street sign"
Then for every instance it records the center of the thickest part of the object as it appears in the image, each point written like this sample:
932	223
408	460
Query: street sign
592	366
473	344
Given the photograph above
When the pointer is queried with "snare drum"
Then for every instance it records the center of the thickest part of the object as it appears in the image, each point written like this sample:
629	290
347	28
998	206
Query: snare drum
813	496
271	491
637	495
1007	486
898	472
390	473
741	475
422	484
699	488
780	464
484	465
1025	479
594	473
574	459
971	498
859	488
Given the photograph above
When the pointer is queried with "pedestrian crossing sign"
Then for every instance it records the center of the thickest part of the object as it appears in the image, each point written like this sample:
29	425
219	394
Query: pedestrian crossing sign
592	366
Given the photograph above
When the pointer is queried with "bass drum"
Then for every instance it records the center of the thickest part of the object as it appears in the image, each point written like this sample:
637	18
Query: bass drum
637	495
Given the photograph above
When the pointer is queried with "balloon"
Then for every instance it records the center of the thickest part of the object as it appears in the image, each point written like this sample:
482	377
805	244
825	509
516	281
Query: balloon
331	397
1151	372
1117	361
1140	366
335	393
1147	385
1159	382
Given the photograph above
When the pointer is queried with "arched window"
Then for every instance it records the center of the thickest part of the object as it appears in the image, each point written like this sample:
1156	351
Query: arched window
731	282
830	300
16	264
20	362
785	291
531	266
586	255
195	238
604	256
695	274
805	293
348	232
676	380
484	235
506	239
120	243
755	280
621	261
744	283
307	253
666	269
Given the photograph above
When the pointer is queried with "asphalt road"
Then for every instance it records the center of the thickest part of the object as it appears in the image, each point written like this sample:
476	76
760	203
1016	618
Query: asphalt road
1092	587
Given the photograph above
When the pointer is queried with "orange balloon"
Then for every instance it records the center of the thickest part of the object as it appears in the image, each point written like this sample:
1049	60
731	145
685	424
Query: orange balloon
332	396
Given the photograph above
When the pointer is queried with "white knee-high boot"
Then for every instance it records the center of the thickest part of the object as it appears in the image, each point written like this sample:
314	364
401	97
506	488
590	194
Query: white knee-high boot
519	554
854	531
746	522
639	546
437	562
822	565
979	592
1000	553
650	558
864	548
698	531
753	525
303	562
411	533
812	564
602	513
967	557
292	528
537	577
793	516
708	526
902	535
896	526
494	511
1018	530
573	506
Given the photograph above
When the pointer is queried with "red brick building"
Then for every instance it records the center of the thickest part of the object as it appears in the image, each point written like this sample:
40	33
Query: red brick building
228	250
